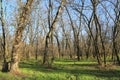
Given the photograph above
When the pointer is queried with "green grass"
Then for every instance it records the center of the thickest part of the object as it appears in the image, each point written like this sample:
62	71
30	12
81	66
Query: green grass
64	70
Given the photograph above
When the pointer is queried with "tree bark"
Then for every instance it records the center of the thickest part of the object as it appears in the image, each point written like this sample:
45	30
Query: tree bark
5	63
15	58
53	25
58	44
94	4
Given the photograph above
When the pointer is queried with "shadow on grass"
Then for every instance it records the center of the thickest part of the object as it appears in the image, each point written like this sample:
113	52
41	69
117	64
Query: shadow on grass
85	71
85	65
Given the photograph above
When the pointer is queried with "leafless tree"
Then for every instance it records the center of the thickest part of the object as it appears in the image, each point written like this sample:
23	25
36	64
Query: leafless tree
18	37
53	25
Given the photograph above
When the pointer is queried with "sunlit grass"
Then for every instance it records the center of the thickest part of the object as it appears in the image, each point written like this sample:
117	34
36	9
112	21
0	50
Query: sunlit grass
63	70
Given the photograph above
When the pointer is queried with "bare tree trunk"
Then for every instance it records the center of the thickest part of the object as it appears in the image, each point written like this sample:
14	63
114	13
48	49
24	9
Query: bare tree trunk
116	31
94	3
115	51
115	45
89	41
49	23
15	58
36	52
101	38
76	38
58	44
5	63
53	25
66	34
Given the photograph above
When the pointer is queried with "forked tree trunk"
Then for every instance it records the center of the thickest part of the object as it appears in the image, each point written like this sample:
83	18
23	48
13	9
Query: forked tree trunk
76	36
94	4
53	25
15	58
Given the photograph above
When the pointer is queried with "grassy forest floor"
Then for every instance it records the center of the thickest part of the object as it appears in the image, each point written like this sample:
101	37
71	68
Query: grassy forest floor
64	70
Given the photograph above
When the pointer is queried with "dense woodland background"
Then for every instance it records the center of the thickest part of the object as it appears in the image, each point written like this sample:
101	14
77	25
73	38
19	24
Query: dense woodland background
48	30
